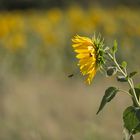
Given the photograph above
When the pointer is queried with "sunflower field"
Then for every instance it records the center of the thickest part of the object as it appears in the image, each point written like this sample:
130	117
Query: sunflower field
31	40
41	96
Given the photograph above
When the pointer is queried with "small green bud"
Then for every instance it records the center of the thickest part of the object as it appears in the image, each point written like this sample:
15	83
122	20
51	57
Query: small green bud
115	46
124	64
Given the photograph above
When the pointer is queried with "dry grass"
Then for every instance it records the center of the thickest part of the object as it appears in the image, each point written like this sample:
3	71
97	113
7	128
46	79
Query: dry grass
40	108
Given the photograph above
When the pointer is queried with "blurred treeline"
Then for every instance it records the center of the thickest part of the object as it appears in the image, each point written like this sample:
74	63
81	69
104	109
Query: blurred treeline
41	4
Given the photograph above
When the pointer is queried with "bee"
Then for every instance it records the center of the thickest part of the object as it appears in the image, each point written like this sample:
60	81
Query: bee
90	55
71	75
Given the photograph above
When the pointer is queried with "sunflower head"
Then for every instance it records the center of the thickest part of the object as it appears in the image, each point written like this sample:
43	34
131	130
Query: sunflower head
90	53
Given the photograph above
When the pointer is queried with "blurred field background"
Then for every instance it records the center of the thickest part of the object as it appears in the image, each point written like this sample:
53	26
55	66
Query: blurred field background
37	99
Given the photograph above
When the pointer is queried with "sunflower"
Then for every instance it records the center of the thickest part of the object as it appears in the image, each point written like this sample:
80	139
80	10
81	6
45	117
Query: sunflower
90	55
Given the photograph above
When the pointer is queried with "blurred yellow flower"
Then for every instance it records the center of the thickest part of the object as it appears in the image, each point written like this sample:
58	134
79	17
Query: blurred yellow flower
54	16
75	16
15	42
19	29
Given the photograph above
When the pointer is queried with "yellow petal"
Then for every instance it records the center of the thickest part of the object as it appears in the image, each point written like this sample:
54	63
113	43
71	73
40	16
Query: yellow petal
81	50
87	69
91	76
87	60
82	55
75	46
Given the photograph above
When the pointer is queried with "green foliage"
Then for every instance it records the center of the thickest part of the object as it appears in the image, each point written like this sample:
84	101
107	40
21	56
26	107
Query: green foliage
131	115
131	118
109	95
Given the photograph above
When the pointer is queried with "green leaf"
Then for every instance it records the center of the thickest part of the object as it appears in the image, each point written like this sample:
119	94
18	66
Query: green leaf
124	64
138	115
138	86
111	71
122	78
131	120
132	74
114	48
137	129
109	95
137	90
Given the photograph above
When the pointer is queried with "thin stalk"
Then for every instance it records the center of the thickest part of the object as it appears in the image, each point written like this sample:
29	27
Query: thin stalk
125	92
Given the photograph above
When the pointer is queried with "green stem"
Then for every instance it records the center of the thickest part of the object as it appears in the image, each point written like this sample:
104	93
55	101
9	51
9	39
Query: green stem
130	81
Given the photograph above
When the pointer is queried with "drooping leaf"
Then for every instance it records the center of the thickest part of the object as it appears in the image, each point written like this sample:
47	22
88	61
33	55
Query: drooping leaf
131	120
109	95
122	78
132	74
111	71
